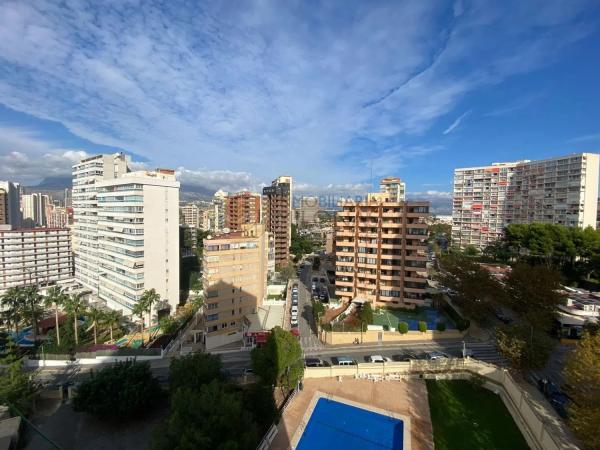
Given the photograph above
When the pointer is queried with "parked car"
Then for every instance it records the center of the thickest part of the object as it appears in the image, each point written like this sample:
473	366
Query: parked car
379	359
314	362
404	357
294	322
345	361
294	302
435	356
294	309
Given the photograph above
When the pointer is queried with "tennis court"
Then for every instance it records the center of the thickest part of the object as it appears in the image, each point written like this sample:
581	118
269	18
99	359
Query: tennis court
391	318
334	425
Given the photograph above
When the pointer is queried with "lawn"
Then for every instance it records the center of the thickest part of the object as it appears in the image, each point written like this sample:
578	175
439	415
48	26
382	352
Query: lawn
391	317
466	417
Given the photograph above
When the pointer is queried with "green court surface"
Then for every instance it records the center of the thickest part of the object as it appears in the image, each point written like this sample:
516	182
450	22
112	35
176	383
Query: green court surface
467	417
391	317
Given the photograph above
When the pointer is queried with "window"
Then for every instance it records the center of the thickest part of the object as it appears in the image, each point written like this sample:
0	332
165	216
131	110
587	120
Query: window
211	317
212	305
211	294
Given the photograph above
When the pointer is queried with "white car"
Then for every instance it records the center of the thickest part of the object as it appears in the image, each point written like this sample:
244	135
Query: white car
436	356
294	322
294	309
379	359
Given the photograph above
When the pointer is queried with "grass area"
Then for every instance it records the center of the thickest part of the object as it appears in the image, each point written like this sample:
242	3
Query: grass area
391	317
466	417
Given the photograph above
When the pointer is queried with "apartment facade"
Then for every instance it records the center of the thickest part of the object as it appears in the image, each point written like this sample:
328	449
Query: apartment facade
277	216
235	267
307	211
241	208
394	188
34	208
10	206
190	215
138	238
59	216
86	175
40	256
562	190
381	251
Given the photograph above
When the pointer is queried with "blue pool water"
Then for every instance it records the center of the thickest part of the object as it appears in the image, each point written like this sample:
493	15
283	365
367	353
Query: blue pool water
334	425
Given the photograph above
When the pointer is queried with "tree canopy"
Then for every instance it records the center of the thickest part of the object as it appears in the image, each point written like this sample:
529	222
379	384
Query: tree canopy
120	391
582	375
194	370
300	245
279	361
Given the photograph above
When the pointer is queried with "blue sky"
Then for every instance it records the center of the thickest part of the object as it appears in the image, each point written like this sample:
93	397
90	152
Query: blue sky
233	94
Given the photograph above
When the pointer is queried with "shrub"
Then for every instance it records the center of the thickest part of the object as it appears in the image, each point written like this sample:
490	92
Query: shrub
402	327
422	326
440	326
119	392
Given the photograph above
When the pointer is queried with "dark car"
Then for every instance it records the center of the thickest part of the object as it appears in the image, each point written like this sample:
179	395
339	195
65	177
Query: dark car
314	362
404	357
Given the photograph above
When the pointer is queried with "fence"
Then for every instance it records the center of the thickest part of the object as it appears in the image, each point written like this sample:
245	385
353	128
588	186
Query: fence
349	337
540	426
180	336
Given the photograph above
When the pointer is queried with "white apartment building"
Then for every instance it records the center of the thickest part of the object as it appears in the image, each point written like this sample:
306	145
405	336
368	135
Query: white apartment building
34	210
138	238
10	206
86	174
394	188
562	190
190	215
39	256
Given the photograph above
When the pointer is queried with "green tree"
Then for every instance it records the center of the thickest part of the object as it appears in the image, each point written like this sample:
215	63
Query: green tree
12	304
112	319
209	417
534	293
16	385
440	326
582	375
422	326
365	314
287	272
75	305
524	346
279	362
194	370
32	308
471	251
121	391
402	327
95	316
150	297
139	309
477	292
55	299
318	310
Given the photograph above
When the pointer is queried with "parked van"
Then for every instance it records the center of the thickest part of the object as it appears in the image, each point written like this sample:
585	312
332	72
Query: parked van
345	361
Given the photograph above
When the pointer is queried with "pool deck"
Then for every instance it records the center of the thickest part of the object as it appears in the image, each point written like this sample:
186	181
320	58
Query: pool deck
403	398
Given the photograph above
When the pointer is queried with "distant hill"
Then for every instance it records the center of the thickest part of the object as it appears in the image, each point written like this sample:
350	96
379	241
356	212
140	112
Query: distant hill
55	183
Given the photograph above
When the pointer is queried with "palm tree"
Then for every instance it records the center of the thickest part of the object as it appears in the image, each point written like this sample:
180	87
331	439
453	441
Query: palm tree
150	297
138	310
75	305
96	316
32	308
112	319
55	298
12	303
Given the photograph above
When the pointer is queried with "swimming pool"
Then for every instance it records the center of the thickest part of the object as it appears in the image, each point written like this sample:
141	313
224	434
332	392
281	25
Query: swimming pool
334	425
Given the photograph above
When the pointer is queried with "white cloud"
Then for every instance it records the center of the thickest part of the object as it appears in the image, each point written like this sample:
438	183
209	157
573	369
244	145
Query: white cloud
585	138
456	123
258	87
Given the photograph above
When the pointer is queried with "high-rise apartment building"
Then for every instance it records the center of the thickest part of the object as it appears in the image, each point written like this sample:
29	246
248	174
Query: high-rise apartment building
562	190
381	251
216	212
190	215
39	256
277	216
138	238
59	216
394	187
307	211
235	267
241	208
34	208
86	174
10	206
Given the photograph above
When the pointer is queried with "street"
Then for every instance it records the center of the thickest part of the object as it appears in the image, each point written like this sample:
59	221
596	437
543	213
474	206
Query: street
308	328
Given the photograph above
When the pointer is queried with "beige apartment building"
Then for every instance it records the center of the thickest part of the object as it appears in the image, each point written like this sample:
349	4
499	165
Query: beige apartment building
562	190
190	215
277	216
39	256
307	212
381	251
241	208
235	266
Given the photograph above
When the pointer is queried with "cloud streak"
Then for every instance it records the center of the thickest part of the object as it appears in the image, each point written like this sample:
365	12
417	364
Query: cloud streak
456	123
